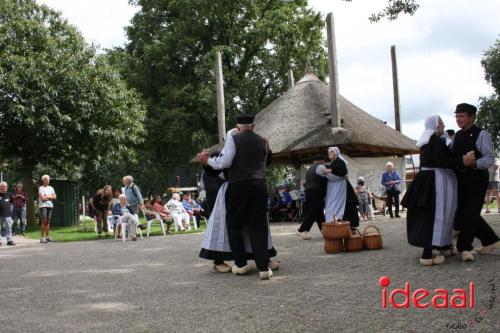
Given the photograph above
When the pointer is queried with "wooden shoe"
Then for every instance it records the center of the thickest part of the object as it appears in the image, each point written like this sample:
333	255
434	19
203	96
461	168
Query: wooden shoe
466	256
445	253
241	270
266	275
274	265
436	260
222	268
489	248
304	235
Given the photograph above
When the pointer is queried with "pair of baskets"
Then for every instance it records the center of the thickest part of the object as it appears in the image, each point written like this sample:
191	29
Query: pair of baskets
339	238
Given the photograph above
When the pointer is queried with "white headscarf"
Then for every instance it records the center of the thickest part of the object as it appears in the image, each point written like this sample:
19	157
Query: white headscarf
431	124
337	153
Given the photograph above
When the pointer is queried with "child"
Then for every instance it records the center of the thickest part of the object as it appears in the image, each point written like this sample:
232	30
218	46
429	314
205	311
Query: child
364	196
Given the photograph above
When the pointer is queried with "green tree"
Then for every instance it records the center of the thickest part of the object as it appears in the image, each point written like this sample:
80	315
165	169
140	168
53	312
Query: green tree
60	103
170	59
393	9
489	107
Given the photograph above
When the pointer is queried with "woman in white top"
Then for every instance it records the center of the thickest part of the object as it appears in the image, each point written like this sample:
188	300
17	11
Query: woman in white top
179	214
46	194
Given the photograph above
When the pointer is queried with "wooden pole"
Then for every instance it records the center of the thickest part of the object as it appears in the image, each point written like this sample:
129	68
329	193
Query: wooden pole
395	87
291	80
221	109
333	72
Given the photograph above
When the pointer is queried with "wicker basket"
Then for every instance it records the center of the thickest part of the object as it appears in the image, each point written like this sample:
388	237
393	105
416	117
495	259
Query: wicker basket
372	241
355	243
334	245
336	229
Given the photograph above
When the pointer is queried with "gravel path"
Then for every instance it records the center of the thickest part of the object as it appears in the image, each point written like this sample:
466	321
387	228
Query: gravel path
160	285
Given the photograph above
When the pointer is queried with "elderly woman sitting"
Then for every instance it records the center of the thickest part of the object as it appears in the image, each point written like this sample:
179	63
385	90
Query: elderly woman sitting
126	215
179	213
165	214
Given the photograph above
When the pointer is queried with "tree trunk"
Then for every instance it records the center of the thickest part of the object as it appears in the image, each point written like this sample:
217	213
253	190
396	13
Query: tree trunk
30	192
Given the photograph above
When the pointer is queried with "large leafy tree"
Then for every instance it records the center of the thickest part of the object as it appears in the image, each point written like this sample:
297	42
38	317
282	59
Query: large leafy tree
489	107
60	103
170	59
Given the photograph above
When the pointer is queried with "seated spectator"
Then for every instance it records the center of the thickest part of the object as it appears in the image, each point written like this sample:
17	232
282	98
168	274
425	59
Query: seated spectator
179	213
287	204
116	194
126	215
192	207
148	210
165	214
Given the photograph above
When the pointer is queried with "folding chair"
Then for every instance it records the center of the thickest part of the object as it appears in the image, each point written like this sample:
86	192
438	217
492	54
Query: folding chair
157	218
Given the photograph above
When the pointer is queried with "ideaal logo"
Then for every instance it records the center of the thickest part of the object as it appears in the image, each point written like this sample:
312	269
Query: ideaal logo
459	298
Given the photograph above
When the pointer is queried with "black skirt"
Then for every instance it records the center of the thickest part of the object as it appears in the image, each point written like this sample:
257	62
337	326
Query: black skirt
226	256
351	207
420	202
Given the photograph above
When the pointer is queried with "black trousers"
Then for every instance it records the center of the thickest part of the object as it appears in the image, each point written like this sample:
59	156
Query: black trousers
468	220
314	210
393	195
246	208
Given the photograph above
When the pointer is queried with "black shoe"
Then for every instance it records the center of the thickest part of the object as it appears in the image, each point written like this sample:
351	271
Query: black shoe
11	242
392	216
397	216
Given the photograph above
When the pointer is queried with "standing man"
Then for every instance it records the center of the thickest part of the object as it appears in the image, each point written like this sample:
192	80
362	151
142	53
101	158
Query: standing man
314	206
246	196
132	193
473	149
392	181
6	213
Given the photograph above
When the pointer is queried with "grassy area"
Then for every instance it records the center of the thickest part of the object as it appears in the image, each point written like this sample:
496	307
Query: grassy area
75	233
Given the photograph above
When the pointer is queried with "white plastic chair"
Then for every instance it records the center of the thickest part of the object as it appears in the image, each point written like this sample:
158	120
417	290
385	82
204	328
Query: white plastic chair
124	228
156	219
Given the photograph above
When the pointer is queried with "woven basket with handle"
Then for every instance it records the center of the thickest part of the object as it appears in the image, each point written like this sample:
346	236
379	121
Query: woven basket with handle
336	229
372	241
355	243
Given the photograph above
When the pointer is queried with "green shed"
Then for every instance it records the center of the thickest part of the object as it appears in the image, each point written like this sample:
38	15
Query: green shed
66	209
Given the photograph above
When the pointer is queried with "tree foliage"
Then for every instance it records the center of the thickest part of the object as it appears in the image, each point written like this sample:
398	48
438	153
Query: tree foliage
170	59
489	107
60	103
393	9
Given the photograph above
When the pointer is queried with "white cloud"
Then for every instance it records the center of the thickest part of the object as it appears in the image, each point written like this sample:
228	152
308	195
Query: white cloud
101	22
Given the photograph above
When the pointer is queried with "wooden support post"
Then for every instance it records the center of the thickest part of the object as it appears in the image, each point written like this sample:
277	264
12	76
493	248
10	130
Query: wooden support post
291	81
395	87
221	109
333	72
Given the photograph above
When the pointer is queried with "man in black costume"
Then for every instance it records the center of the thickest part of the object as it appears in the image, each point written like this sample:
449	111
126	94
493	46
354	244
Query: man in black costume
314	206
473	149
246	196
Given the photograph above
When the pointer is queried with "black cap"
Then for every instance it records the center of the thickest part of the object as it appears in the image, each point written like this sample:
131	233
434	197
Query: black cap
245	119
450	132
318	158
466	108
215	153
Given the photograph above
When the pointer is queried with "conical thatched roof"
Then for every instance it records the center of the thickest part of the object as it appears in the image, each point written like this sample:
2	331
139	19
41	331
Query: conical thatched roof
298	125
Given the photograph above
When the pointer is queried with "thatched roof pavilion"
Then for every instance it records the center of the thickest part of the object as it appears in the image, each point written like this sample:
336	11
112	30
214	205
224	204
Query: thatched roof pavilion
298	126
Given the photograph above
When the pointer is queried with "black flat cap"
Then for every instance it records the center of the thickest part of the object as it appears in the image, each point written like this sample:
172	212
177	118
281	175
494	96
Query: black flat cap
450	132
215	153
318	158
466	108
245	119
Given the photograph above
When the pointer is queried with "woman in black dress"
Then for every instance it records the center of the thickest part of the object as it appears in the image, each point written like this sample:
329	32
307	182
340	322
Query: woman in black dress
431	199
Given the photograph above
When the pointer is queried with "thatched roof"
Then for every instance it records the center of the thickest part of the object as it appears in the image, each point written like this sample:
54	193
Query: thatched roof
298	125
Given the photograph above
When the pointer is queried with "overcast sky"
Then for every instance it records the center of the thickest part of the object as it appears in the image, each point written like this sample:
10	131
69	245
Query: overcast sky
439	51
